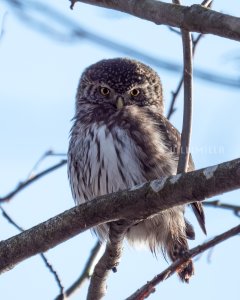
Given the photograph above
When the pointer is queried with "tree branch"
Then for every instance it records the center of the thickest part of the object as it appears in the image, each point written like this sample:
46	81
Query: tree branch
195	18
29	181
218	204
148	288
179	86
25	10
109	261
147	199
187	114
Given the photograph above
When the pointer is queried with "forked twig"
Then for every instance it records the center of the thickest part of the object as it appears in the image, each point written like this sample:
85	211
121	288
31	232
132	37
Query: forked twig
206	3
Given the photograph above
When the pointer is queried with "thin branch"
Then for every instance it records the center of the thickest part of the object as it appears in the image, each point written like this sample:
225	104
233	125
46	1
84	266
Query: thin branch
187	114
195	18
10	220
147	199
218	204
29	181
86	273
44	258
172	108
148	288
109	261
55	274
42	158
177	31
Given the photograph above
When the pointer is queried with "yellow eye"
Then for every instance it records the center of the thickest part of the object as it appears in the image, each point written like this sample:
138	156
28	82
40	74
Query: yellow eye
134	92
104	91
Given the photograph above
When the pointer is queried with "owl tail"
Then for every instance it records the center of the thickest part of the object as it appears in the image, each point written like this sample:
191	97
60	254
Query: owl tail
176	247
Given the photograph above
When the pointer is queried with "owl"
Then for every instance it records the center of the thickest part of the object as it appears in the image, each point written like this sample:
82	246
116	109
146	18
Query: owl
119	139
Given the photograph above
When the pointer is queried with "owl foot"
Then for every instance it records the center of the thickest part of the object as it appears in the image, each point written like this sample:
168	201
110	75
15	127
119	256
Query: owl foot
186	271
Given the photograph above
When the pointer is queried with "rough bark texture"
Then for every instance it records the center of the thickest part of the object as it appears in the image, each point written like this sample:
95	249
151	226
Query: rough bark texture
195	18
146	200
109	261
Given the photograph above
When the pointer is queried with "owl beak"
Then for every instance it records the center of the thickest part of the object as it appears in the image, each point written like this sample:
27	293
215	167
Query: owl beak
119	102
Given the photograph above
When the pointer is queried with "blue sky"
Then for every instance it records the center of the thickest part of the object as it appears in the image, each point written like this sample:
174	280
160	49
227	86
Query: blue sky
39	76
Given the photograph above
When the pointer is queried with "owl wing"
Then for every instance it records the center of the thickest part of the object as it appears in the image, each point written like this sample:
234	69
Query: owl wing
172	139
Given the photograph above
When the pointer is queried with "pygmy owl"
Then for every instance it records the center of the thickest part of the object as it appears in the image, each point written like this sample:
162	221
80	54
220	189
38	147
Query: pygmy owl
120	139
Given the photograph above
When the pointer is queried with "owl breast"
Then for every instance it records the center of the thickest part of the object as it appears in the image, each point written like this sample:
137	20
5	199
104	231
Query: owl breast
107	156
107	162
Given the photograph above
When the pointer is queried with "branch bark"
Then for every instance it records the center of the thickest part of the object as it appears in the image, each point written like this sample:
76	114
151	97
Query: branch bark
109	261
195	18
147	199
187	113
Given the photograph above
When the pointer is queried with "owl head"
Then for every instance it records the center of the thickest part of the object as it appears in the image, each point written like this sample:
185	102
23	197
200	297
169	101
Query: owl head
120	82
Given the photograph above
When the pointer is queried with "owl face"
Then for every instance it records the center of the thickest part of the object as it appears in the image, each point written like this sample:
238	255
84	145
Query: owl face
120	82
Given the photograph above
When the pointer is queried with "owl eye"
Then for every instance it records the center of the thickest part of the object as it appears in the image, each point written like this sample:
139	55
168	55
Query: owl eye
104	91
134	92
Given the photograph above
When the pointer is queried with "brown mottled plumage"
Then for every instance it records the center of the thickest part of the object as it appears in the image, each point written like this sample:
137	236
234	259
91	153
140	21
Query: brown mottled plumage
119	139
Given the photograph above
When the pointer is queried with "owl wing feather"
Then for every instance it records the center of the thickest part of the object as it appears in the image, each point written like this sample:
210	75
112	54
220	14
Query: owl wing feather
172	139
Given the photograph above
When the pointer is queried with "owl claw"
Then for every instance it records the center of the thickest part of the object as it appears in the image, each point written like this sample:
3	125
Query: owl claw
186	271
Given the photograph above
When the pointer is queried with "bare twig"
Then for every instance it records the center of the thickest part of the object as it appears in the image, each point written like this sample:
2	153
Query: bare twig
10	220
86	273
187	115
148	288
147	199
42	158
29	181
218	204
172	108
44	258
177	31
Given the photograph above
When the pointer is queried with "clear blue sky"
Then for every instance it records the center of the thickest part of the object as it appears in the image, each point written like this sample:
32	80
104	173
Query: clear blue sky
39	76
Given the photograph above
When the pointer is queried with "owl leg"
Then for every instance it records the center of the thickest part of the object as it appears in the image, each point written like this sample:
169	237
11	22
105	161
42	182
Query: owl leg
176	247
190	234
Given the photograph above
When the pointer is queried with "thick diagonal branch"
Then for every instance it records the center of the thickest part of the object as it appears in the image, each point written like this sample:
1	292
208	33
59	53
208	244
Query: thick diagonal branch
195	18
147	199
